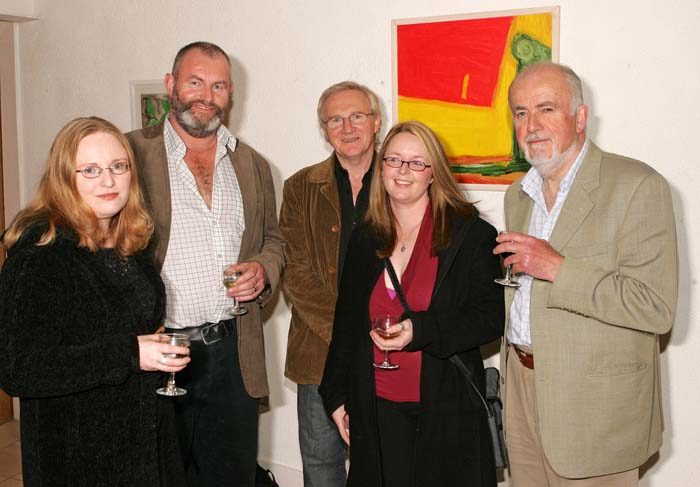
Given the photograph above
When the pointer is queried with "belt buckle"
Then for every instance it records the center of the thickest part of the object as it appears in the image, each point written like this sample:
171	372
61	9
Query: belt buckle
211	333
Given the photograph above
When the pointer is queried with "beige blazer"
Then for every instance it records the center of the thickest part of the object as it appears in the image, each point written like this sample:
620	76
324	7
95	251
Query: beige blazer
595	328
262	240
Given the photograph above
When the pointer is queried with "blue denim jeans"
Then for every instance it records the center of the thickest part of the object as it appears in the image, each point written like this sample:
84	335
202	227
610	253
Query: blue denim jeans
322	448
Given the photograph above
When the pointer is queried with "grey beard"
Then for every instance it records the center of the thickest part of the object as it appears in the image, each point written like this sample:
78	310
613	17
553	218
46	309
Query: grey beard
194	127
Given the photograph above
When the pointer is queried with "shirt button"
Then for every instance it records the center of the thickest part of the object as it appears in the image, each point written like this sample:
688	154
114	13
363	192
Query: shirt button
335	229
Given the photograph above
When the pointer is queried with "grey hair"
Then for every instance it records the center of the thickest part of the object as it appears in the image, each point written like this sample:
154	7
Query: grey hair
572	79
347	86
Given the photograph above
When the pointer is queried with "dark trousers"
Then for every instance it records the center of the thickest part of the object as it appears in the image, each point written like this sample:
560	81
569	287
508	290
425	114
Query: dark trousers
217	420
398	424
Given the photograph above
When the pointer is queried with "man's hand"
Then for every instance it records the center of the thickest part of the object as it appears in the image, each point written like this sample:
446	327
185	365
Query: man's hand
532	256
250	284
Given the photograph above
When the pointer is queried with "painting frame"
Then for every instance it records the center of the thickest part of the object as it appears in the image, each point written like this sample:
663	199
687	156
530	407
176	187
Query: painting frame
139	92
449	107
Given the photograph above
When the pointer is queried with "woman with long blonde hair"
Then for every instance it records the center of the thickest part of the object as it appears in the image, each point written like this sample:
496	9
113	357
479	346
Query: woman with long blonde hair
408	414
80	304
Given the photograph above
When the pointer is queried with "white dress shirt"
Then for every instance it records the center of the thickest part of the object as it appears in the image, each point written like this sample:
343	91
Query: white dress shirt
203	241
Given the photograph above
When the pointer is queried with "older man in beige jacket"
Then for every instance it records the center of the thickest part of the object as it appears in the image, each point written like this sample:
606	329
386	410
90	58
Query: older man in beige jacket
594	247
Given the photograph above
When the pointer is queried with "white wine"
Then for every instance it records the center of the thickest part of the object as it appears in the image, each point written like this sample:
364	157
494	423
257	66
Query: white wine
384	334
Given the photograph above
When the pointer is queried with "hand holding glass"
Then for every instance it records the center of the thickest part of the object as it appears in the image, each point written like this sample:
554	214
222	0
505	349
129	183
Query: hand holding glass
179	340
381	324
507	281
229	282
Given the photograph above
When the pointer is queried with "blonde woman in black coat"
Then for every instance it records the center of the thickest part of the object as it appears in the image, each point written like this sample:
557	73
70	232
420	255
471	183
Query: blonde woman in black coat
418	425
80	302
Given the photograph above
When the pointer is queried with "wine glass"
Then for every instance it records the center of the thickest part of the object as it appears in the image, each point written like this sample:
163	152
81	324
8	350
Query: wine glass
381	324
507	281
229	282
180	340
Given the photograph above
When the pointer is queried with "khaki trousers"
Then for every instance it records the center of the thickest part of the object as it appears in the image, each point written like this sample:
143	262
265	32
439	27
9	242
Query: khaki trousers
528	464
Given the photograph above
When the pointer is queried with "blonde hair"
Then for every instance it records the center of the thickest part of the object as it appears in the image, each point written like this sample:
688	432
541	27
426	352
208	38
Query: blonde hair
58	202
445	196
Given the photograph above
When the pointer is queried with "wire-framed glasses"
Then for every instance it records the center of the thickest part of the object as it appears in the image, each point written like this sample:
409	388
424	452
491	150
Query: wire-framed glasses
116	168
356	119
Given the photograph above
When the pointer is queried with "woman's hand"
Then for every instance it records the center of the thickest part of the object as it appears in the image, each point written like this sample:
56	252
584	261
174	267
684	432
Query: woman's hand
403	335
342	421
152	354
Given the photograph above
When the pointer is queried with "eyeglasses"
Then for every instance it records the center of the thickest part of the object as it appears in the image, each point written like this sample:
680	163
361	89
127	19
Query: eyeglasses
417	166
355	119
116	168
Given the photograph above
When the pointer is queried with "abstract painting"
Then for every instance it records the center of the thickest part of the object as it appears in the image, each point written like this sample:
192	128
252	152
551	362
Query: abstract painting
453	73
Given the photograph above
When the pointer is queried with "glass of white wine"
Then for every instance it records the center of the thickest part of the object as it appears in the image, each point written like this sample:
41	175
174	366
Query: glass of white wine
229	282
179	340
381	324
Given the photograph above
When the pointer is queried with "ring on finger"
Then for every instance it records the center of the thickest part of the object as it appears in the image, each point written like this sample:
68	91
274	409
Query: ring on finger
402	325
164	360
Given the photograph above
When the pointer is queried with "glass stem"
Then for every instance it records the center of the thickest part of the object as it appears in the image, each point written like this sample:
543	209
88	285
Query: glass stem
508	272
171	381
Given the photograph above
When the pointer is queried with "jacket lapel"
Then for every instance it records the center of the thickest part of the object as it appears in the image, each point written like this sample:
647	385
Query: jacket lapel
246	175
325	175
578	203
154	176
518	215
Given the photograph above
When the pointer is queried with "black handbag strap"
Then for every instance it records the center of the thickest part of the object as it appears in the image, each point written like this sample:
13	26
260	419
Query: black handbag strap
397	285
454	359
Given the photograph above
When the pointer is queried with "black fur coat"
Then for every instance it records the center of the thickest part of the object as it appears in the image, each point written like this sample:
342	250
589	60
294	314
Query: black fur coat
69	319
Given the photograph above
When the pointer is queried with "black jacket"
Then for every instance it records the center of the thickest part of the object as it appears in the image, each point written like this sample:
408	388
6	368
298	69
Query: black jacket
466	311
68	328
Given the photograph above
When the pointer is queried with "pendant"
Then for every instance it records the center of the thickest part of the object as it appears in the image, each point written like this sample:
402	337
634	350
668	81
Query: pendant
403	247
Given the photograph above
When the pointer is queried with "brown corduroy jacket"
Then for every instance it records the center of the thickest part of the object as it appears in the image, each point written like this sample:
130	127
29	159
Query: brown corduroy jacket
310	223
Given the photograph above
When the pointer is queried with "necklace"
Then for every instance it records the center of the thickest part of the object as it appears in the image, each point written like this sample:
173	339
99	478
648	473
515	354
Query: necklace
408	236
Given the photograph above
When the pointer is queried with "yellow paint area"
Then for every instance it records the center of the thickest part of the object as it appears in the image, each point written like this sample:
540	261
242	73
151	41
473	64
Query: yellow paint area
467	130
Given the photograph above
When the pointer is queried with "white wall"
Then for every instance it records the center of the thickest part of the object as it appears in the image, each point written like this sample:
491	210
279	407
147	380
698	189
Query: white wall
638	59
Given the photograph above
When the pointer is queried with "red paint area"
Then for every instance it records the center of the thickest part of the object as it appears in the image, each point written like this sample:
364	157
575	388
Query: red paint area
433	59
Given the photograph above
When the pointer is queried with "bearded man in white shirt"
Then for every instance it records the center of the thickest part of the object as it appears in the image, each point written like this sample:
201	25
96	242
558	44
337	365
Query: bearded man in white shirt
213	201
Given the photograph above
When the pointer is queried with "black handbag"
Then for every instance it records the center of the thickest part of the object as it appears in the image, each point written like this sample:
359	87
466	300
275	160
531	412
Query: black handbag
492	402
264	478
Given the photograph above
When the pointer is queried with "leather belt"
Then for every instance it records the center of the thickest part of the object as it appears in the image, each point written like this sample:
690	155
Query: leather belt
527	359
208	333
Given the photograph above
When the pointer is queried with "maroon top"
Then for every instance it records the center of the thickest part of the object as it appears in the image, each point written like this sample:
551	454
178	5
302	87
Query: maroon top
417	282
